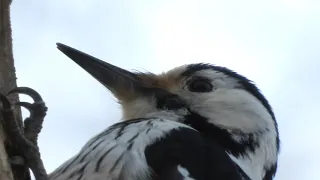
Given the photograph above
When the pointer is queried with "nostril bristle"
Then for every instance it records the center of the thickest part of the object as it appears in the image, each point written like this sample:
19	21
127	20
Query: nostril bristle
170	102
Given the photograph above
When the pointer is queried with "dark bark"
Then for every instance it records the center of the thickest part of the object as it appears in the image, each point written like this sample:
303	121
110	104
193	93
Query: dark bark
7	82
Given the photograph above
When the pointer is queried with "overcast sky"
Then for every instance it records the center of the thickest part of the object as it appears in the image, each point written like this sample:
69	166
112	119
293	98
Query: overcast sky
276	43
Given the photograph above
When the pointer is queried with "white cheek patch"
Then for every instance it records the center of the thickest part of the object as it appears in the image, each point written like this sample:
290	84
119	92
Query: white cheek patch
233	109
236	109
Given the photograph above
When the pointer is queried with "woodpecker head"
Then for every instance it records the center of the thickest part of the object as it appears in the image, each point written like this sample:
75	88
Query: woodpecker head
218	102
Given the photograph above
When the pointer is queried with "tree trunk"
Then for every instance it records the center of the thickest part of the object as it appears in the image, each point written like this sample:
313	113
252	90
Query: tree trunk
7	82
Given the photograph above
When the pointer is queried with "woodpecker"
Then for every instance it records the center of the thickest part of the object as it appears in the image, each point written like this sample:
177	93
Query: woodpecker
194	122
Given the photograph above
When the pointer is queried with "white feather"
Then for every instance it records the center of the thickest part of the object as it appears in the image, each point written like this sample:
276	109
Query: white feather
235	109
132	164
185	173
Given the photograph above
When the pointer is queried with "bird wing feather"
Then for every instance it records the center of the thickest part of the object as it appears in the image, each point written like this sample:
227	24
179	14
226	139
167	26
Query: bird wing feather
144	149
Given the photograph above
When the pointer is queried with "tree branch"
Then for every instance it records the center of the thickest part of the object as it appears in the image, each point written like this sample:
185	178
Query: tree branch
7	82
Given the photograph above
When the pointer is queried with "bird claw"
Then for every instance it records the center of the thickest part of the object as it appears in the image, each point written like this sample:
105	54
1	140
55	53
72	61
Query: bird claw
27	91
26	105
26	138
37	109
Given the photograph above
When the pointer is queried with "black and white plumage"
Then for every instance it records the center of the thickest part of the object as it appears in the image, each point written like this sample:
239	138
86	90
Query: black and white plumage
195	122
150	148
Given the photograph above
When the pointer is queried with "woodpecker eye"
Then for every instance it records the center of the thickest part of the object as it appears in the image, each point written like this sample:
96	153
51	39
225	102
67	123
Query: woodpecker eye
200	85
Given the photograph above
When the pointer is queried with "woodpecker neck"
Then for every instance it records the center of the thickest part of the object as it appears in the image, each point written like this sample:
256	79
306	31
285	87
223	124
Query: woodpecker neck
255	153
168	115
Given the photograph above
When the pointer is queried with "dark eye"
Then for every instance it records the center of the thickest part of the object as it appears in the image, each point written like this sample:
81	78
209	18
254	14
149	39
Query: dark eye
200	85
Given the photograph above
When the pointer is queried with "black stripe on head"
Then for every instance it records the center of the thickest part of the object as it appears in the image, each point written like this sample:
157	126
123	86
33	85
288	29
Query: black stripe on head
245	83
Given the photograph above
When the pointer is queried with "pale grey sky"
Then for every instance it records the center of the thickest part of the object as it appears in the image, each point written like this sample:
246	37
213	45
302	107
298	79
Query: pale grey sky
275	43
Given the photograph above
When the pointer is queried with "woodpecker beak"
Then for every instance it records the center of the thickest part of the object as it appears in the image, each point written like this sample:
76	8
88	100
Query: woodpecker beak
122	83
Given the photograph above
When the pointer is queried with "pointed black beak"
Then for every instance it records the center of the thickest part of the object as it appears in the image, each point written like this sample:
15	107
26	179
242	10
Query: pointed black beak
119	81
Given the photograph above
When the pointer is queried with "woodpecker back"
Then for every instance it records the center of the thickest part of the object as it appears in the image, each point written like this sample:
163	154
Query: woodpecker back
148	149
